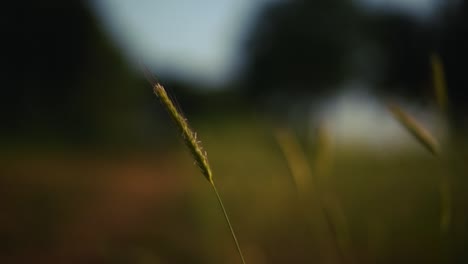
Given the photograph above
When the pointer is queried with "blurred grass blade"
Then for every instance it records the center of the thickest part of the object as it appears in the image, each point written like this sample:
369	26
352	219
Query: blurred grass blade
295	159
441	95
300	170
446	208
415	129
323	163
438	78
323	152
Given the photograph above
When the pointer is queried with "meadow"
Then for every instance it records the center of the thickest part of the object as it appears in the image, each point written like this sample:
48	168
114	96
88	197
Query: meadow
155	207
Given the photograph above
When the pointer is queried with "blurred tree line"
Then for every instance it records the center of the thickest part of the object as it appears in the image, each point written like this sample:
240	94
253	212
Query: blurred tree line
64	79
299	50
66	82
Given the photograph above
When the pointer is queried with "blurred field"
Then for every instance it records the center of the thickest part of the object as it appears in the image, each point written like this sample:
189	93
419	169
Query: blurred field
155	207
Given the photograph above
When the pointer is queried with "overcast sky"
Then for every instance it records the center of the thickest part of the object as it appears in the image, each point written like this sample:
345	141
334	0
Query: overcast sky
198	40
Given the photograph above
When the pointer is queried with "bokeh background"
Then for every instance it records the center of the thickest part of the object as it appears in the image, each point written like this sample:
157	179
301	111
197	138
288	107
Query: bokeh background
92	169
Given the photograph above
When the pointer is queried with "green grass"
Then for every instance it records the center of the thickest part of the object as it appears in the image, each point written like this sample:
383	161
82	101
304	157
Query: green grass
391	203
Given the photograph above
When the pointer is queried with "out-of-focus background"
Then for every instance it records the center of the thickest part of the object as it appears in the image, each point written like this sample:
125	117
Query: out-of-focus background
92	169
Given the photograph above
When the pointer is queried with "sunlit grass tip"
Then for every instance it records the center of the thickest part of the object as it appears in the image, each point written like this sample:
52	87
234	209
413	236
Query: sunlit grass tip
439	83
193	144
422	135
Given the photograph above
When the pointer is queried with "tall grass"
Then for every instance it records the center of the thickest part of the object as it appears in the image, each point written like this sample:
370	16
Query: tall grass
441	96
439	83
427	140
195	147
306	182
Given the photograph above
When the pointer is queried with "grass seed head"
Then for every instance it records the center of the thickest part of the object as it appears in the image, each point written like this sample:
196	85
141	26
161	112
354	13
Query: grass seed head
189	136
194	145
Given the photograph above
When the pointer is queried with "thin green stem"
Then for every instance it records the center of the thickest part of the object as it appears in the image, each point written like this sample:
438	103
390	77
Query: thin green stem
334	233
233	234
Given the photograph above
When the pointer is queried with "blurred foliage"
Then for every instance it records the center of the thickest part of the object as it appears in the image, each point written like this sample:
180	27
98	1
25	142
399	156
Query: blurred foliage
65	81
405	46
301	50
300	46
453	43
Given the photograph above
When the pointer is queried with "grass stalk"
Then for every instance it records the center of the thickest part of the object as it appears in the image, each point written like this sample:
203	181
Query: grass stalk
441	96
439	83
302	175
427	140
295	159
323	151
194	145
233	234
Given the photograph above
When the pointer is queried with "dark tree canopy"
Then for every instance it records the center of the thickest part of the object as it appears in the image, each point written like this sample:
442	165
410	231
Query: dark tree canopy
453	46
63	79
405	45
299	46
